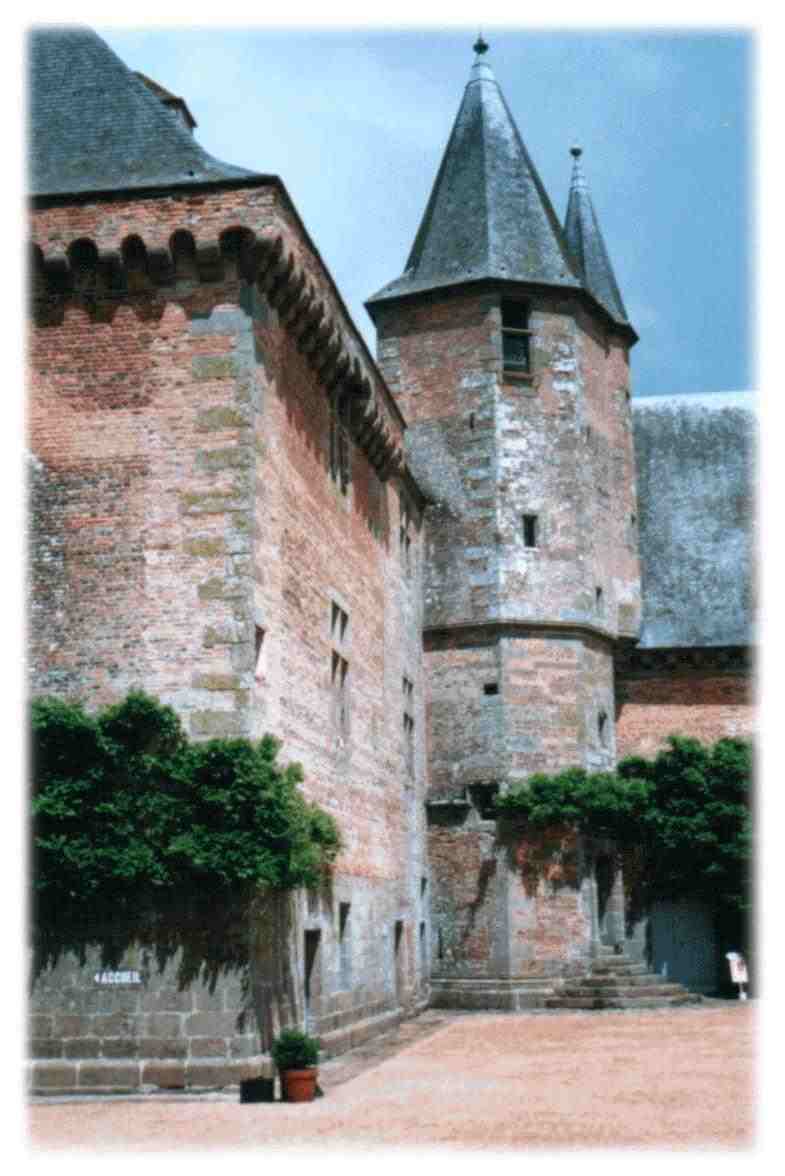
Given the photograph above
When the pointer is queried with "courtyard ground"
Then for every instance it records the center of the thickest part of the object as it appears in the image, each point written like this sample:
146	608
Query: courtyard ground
670	1078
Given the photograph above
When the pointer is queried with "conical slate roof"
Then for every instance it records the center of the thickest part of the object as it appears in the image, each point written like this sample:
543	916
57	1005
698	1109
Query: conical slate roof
586	245
489	215
96	127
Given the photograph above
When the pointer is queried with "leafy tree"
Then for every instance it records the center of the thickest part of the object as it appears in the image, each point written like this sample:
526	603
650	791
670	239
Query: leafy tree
139	836
687	813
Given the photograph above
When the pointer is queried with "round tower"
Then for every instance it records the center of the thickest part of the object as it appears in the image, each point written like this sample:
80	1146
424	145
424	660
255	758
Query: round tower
506	344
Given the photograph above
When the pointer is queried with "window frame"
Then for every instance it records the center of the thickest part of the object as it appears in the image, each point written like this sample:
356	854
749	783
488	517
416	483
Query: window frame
512	308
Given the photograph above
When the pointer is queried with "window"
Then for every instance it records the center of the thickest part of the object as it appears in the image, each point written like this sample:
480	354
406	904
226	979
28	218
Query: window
339	670
339	624
515	337
598	598
602	727
529	530
405	537
344	946
491	688
340	458
340	695
483	797
408	724
259	653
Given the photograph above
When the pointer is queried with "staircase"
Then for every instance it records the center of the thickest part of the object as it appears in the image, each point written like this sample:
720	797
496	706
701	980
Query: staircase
617	982
512	996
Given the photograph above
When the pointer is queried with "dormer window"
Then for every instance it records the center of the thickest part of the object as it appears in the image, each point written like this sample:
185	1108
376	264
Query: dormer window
515	337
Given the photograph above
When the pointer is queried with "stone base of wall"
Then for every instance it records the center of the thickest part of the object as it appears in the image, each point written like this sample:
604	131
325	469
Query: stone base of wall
133	1075
139	1076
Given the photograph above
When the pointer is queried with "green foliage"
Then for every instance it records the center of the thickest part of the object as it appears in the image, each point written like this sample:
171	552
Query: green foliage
598	802
294	1050
688	811
698	826
140	836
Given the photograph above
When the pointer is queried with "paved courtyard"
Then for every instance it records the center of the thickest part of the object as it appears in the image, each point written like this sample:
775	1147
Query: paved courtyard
675	1078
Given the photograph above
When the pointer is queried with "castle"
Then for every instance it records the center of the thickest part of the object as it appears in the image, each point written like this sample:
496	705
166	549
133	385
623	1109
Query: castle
429	573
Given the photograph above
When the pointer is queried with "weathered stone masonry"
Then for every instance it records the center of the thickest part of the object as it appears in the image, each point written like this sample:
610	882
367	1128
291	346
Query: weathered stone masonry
519	642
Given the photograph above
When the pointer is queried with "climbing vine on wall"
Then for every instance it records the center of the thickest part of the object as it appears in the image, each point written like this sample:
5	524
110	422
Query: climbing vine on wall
141	837
685	816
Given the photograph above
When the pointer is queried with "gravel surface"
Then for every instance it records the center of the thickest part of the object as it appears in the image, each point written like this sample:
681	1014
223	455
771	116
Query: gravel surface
671	1078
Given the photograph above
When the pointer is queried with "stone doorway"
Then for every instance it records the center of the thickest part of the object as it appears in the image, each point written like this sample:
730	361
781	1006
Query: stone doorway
609	892
312	985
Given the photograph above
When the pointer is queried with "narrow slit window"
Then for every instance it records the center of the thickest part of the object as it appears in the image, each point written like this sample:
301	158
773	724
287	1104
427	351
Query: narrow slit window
598	597
408	724
602	726
344	946
340	453
339	624
340	695
515	337
491	688
529	530
259	653
405	537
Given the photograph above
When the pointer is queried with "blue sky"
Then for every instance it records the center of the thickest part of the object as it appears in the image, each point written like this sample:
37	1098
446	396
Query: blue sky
355	122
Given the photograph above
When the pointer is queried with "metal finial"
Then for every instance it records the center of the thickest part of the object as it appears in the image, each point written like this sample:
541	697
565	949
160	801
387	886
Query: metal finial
480	46
576	152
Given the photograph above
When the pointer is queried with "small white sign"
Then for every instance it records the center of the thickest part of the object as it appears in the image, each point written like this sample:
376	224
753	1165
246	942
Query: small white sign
118	978
738	970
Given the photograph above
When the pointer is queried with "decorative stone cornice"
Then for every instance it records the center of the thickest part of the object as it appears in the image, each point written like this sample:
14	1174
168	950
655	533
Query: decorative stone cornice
101	280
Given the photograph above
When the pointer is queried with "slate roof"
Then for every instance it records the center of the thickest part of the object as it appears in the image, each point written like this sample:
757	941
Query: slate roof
488	215
96	127
586	244
695	458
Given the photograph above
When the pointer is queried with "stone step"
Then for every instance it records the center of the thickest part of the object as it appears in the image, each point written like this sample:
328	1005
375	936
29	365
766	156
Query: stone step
508	995
621	1002
590	992
610	981
499	982
623	967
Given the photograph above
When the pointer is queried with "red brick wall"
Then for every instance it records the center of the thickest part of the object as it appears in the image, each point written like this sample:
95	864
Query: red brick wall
181	496
702	706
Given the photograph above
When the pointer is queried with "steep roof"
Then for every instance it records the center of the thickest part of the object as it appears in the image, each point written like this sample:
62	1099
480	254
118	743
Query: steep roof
695	458
96	127
488	215
586	245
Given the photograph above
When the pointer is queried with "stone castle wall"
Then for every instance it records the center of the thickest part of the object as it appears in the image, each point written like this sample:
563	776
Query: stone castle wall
189	538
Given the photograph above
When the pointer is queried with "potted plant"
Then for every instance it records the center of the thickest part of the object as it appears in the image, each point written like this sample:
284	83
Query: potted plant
296	1054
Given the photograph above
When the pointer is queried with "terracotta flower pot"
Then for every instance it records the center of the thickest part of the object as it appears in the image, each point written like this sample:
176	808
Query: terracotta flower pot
299	1085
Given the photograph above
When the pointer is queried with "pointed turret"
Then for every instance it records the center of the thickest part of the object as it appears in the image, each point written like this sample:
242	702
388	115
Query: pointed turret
489	215
586	245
